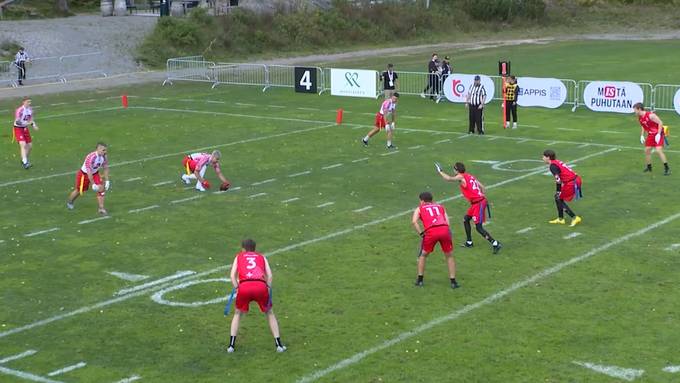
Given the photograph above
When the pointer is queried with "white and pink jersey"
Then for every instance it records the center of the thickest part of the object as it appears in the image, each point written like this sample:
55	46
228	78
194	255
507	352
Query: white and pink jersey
23	116
93	162
387	107
203	159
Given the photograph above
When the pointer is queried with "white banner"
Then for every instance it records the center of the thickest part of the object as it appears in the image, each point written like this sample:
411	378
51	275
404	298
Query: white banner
353	83
612	96
676	101
545	92
457	86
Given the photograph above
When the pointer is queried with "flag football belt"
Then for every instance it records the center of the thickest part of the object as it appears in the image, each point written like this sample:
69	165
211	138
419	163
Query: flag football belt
252	280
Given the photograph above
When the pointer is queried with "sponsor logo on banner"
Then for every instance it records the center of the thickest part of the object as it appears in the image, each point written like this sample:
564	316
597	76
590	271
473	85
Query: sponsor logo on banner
676	101
353	83
545	92
612	96
457	86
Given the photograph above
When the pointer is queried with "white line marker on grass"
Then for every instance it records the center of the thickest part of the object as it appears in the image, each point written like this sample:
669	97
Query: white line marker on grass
443	141
143	209
572	235
84	101
416	147
162	183
18	356
55	104
215	102
412	117
310	109
145	286
263	182
67	369
27	375
290	199
522	141
299	174
326	204
611	132
525	230
362	209
133	179
276	106
493	298
85	222
159	98
671	369
673	247
494	138
128	276
465	136
33	234
257	195
331	166
186	199
131	379
628	374
390	153
360	159
569	129
244	104
583	146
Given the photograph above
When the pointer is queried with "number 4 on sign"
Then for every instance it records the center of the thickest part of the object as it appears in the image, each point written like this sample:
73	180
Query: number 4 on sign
306	81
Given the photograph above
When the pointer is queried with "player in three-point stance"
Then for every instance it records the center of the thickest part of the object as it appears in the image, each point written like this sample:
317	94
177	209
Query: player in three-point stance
88	175
195	166
474	192
435	230
23	117
567	186
387	112
252	278
651	123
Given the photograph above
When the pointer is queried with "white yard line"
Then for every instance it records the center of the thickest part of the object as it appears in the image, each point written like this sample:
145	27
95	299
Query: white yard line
525	230
299	174
132	179
143	209
390	153
220	269
611	132
465	136
162	183
85	222
33	234
27	375
186	199
493	138
671	369
331	166
128	276
493	298
326	204
628	374
67	369
673	247
84	101
290	200
158	98
572	235
360	159
179	274
131	379
443	141
362	209
257	195
413	117
263	182
276	106
583	146
55	104
415	147
18	356
234	188
522	141
215	102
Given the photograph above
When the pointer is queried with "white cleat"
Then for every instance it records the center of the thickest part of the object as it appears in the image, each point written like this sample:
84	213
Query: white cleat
281	348
230	349
185	179
200	188
69	205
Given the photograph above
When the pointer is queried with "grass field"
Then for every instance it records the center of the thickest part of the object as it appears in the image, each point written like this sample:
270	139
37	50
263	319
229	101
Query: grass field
333	217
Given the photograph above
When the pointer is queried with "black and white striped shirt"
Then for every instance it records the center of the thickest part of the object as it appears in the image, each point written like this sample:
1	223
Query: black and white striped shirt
476	94
21	57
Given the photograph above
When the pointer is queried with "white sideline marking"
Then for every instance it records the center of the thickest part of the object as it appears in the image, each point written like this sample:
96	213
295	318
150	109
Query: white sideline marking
671	369
263	182
551	143
55	104
312	109
186	199
215	102
611	132
67	369
356	358
416	147
569	129
525	230
131	379
276	106
33	234
18	356
85	222
257	195
133	179
673	246
583	146
326	204
290	199
145	286
128	276
628	374
360	159
186	100
27	375
390	153
572	235
244	104
96	306
84	101
331	166
143	209
362	209
442	141
299	174
522	141
162	183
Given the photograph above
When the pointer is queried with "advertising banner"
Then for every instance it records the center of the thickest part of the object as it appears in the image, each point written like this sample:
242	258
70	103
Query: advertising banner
457	86
612	96
676	101
353	83
545	92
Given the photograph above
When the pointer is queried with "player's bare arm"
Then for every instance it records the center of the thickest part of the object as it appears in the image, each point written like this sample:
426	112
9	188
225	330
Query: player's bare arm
220	175
34	125
415	221
232	275
482	188
268	272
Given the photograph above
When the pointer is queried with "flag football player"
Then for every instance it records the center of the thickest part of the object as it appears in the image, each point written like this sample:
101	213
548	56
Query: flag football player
252	279
651	123
435	230
88	177
23	118
474	192
195	166
567	187
387	112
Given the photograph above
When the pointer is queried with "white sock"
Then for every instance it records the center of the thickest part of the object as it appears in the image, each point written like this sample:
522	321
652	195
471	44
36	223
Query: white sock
389	143
191	176
24	160
366	138
495	243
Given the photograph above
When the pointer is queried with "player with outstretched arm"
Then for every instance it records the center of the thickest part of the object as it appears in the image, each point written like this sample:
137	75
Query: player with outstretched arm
195	166
88	176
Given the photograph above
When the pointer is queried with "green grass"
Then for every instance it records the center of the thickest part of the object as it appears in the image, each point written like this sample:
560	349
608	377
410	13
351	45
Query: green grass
345	285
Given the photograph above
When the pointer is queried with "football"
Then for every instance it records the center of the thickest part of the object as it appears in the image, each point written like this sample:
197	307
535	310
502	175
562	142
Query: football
225	186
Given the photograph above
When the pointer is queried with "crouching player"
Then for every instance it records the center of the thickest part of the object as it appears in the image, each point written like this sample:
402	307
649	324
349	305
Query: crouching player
435	230
252	278
88	176
195	166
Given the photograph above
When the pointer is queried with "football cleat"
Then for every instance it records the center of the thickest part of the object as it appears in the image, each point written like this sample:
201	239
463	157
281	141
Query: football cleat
419	283
230	349
200	187
467	244
185	179
667	172
558	221
497	248
69	205
26	165
647	170
364	142
102	212
575	221
391	147
281	348
454	285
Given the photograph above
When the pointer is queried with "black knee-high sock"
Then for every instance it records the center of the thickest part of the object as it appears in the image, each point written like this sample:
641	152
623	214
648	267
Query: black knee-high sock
232	341
568	210
560	210
468	228
484	233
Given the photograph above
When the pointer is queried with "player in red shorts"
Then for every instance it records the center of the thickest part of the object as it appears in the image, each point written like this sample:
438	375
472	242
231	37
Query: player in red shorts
23	118
473	191
88	176
195	166
252	278
435	230
388	111
651	123
568	186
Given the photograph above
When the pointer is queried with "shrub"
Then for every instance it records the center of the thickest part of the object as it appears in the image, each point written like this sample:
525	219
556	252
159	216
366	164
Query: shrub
504	10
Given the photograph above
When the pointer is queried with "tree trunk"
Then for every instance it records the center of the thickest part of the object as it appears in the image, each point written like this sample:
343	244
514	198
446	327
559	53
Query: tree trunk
62	6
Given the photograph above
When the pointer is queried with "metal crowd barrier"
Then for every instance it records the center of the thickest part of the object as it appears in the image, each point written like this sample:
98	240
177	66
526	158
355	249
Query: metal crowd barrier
416	83
193	68
283	76
239	74
664	95
7	73
80	65
54	68
44	68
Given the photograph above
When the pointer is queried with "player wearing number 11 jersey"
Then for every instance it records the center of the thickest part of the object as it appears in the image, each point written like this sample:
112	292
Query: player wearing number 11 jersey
473	191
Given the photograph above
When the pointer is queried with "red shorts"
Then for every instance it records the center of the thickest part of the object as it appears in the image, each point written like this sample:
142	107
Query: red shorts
22	134
380	121
570	190
253	291
189	165
651	142
441	234
477	210
83	182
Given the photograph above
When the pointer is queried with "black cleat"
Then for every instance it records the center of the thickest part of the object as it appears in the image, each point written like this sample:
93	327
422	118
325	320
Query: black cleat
391	147
497	248
454	285
467	244
419	283
26	165
647	170
667	172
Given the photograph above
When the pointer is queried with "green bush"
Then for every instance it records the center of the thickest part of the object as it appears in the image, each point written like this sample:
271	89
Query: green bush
504	10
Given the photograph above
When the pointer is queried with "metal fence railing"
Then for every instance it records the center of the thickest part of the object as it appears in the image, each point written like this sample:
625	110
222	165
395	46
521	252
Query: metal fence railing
419	83
239	74
8	74
193	68
54	68
44	68
81	65
664	97
283	76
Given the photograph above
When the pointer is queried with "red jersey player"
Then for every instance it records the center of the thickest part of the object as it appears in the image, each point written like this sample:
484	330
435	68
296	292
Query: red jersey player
651	123
388	110
252	278
88	175
435	230
473	191
568	186
195	166
23	117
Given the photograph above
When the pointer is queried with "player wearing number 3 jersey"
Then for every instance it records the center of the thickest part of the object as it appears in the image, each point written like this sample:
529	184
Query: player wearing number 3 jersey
435	230
473	191
252	279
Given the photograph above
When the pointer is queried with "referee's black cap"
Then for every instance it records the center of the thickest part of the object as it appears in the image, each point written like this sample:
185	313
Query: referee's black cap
477	78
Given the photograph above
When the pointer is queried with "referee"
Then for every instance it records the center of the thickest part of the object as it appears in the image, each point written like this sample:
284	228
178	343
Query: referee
475	103
511	94
20	60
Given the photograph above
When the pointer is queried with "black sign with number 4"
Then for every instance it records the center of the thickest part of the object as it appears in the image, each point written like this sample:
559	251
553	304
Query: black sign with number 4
305	80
